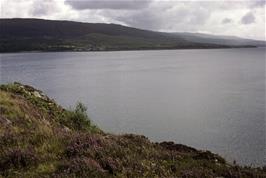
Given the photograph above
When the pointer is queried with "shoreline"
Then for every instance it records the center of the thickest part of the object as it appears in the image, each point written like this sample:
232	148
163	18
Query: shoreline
163	49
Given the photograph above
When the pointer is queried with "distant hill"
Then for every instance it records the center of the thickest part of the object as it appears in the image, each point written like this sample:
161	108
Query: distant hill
50	35
215	39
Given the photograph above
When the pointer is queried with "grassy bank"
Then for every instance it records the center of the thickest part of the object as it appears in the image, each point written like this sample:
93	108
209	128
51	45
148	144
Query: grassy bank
39	138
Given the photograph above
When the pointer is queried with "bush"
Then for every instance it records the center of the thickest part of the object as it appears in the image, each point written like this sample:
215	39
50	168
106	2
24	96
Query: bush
79	167
17	158
80	143
78	119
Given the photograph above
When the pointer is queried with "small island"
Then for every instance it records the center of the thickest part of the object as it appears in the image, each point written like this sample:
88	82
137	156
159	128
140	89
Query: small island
39	138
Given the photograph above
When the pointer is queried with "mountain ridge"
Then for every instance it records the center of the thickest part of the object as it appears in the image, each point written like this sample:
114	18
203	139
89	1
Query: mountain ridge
60	35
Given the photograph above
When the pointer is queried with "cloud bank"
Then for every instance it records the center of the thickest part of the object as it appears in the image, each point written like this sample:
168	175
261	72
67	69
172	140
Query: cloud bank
239	18
108	4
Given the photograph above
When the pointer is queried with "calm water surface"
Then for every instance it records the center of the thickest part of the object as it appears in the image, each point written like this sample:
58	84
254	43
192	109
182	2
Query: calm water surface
208	99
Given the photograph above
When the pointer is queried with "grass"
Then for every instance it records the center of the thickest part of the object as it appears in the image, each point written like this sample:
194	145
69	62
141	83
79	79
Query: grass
39	138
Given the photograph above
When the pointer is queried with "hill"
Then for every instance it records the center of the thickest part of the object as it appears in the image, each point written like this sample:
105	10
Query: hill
39	138
50	35
215	39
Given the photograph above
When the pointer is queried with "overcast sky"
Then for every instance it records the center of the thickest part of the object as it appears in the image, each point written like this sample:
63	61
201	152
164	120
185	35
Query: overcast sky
224	17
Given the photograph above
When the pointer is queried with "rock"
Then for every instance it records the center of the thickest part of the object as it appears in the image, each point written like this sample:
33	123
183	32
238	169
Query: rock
8	122
5	121
66	129
46	122
37	94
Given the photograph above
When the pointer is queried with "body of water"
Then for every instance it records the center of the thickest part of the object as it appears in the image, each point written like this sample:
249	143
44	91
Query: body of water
208	99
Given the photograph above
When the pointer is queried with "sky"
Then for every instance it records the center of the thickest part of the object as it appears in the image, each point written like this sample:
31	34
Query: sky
243	18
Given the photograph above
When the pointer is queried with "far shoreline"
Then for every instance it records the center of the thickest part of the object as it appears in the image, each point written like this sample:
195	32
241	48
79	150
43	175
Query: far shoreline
163	49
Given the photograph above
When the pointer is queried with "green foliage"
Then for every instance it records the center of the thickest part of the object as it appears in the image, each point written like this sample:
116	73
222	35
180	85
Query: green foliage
78	119
36	97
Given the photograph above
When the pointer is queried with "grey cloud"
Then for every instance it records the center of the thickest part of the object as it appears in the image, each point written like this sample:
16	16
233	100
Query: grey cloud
249	18
226	21
42	7
165	16
144	20
199	17
258	3
158	15
108	4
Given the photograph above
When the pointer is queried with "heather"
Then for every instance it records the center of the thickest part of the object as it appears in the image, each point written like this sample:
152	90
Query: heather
39	138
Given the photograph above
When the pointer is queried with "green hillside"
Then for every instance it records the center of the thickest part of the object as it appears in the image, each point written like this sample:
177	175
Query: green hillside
39	138
50	35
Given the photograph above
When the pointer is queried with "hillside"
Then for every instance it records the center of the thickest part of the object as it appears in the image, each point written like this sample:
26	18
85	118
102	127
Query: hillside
39	138
215	39
49	35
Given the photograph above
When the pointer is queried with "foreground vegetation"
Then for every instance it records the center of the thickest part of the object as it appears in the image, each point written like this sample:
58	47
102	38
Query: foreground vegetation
39	138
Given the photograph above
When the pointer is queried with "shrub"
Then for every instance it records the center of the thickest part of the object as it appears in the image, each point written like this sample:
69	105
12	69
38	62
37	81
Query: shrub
78	119
8	138
79	167
17	158
80	143
207	155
